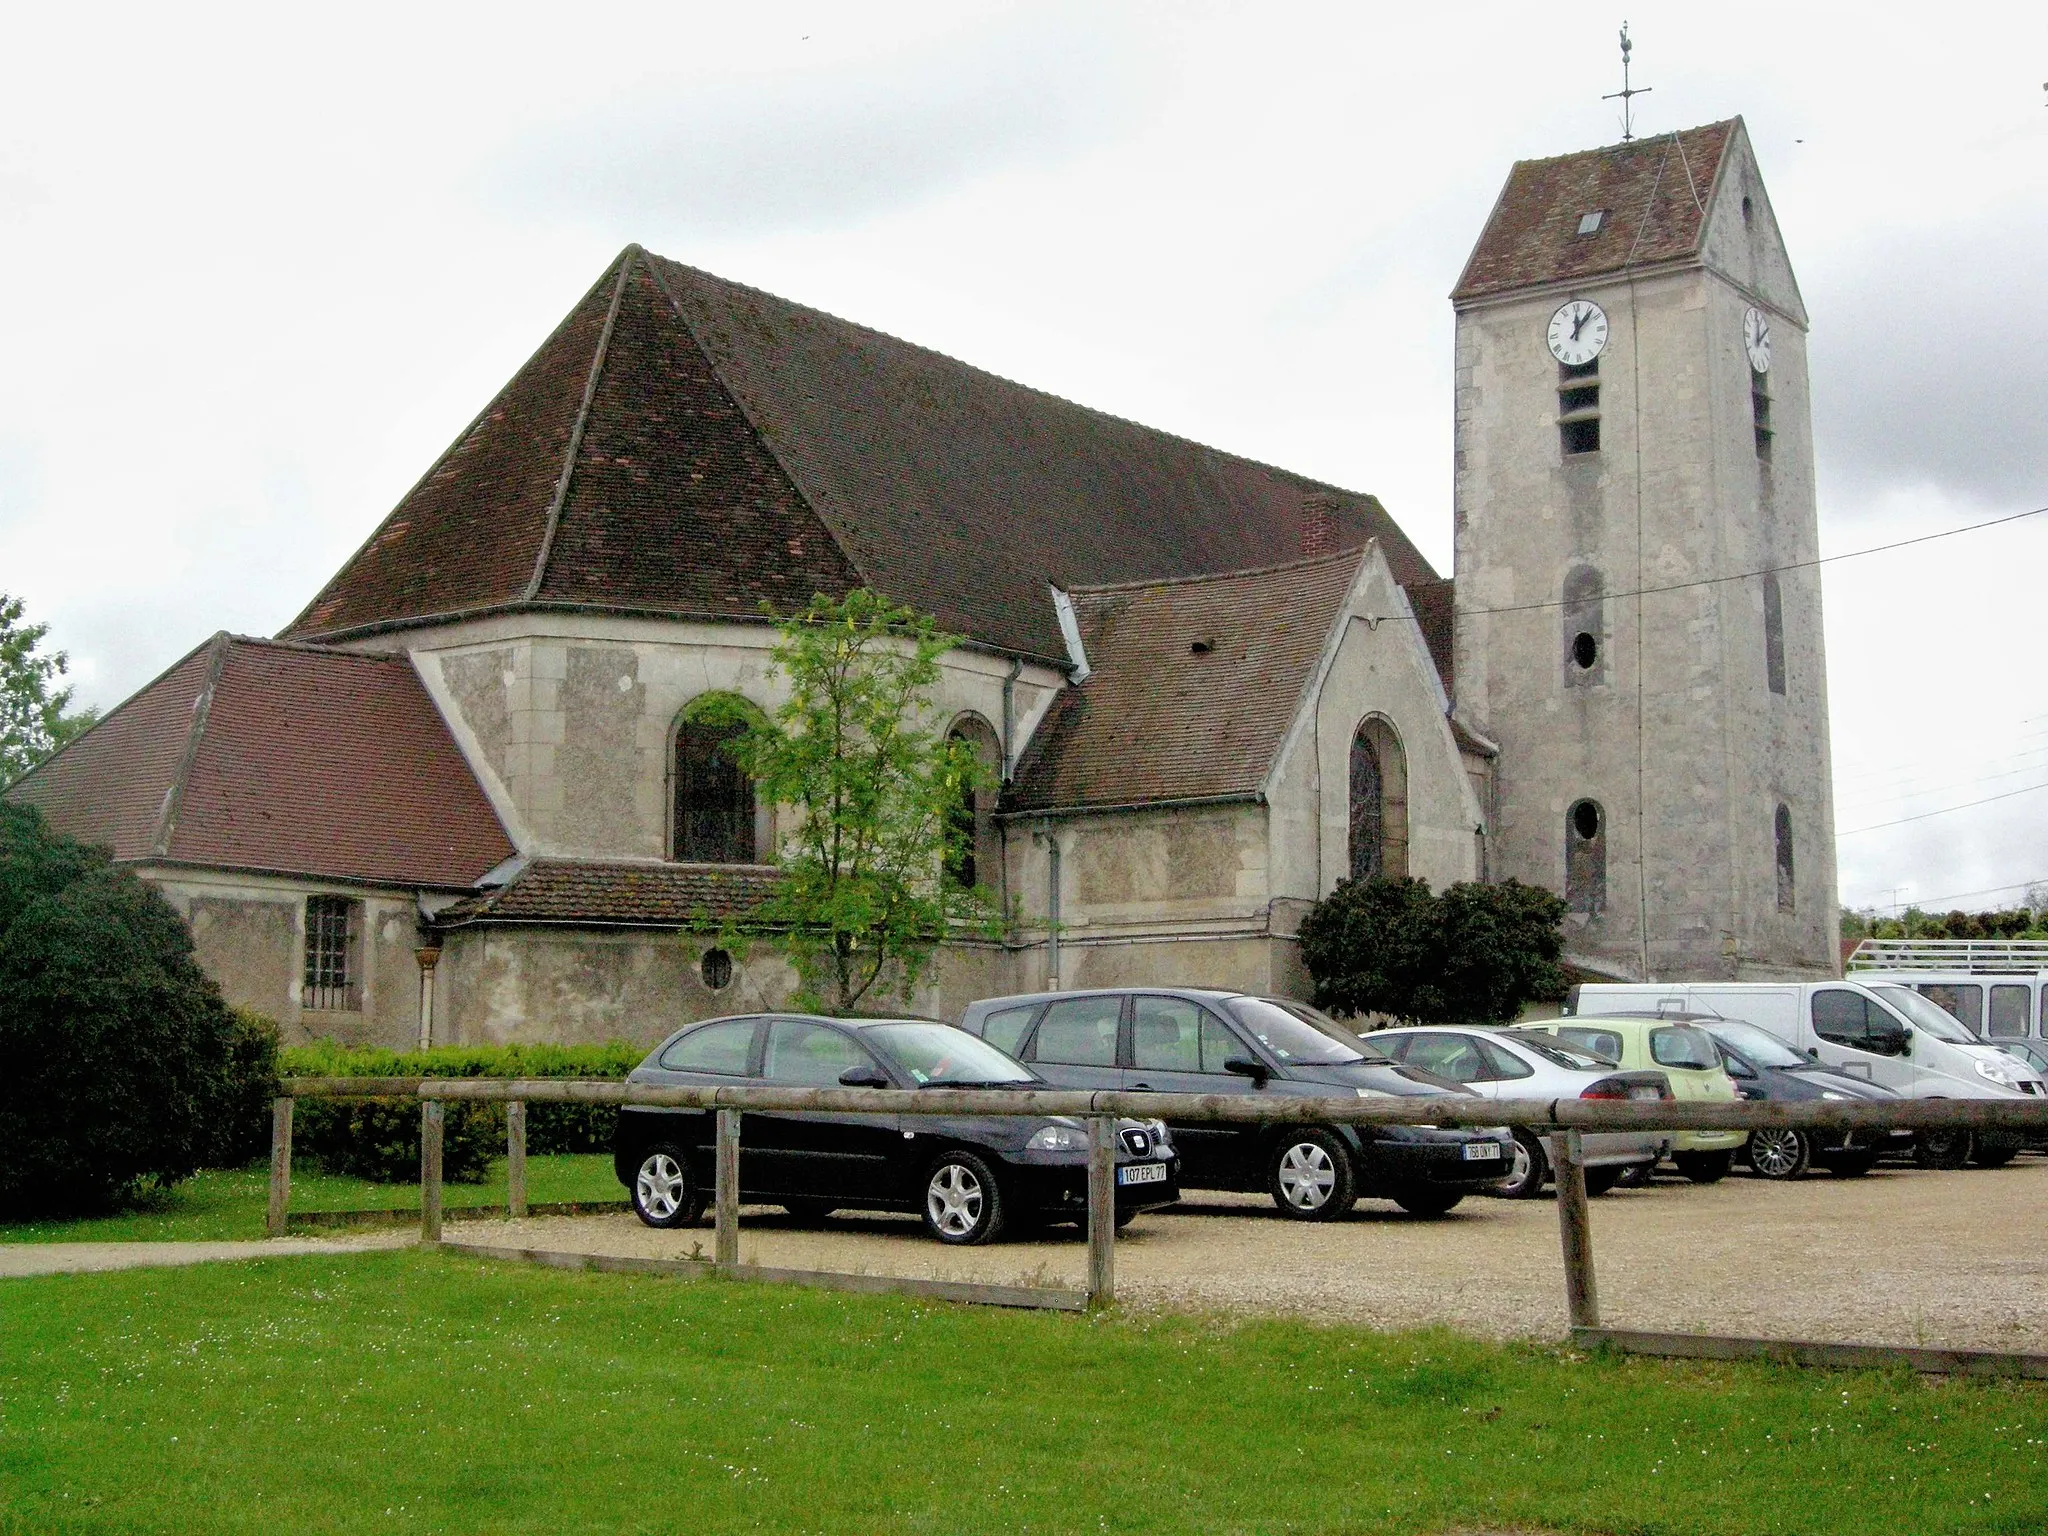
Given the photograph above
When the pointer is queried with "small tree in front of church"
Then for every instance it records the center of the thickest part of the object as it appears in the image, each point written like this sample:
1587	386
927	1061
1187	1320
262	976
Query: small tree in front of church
873	786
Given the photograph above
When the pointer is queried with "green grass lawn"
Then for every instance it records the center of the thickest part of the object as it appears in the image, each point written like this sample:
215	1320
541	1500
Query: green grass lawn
232	1203
412	1392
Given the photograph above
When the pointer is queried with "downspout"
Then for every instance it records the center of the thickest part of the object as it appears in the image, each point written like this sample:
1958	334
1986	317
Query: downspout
1010	718
1052	906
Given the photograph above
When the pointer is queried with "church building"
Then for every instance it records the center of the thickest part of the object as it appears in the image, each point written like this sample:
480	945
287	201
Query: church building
471	792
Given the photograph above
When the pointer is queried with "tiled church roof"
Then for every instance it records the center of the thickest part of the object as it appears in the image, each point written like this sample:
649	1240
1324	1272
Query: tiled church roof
577	891
1652	192
685	445
1192	688
288	759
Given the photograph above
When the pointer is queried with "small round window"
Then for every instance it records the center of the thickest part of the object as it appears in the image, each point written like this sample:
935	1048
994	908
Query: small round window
716	969
1585	651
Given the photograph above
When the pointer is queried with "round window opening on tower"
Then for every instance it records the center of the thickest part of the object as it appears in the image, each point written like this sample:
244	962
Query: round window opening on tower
1586	820
716	969
1585	651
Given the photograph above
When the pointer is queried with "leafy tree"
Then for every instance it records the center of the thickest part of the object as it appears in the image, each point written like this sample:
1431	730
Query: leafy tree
121	1069
873	785
1474	955
33	722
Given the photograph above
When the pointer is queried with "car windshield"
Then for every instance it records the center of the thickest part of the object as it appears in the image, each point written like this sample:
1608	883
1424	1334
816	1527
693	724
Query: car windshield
1557	1053
1289	1037
2032	1055
1758	1047
1319	1020
1930	1016
940	1056
1680	1045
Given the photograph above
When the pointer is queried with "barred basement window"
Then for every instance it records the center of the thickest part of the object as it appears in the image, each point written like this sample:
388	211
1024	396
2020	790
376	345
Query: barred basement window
332	982
1782	827
1578	406
1760	412
1585	859
1774	633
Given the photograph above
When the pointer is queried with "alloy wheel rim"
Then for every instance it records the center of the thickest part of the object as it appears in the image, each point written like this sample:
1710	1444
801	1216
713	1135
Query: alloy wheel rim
1519	1173
1307	1175
660	1186
955	1200
1774	1154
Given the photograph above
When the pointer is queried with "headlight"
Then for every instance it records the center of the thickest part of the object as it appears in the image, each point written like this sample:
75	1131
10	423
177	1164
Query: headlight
1057	1138
1997	1072
1829	1093
1162	1139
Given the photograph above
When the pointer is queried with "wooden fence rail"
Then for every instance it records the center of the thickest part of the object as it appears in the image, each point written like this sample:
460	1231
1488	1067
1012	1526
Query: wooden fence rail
1563	1121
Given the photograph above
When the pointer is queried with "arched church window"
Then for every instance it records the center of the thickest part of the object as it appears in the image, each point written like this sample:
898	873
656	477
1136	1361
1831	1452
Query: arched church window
1585	859
715	810
1774	633
1782	829
974	854
1585	628
1379	801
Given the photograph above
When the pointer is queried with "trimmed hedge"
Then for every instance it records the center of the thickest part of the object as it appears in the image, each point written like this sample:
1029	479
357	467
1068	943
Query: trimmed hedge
380	1138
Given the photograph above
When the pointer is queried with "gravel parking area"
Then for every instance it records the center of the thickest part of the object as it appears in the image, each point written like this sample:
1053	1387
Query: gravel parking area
1899	1257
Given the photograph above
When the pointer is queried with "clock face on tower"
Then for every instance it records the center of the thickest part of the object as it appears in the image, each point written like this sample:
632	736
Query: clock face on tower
1577	332
1756	339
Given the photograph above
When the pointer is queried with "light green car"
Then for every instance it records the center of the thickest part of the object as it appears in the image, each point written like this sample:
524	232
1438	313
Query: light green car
1690	1063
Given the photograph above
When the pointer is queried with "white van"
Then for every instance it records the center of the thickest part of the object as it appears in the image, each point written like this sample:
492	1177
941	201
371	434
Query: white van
1998	987
1895	1038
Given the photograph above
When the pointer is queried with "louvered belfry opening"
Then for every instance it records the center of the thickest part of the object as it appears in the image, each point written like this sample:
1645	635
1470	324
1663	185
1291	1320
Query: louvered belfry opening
714	810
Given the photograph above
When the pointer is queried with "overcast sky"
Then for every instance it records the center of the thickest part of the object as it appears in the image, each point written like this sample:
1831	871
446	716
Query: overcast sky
258	267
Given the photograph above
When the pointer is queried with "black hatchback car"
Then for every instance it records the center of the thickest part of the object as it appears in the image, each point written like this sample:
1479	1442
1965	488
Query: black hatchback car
968	1176
1195	1040
1765	1067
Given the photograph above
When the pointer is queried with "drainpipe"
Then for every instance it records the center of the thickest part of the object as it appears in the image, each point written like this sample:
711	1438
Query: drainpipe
1010	718
1052	906
428	955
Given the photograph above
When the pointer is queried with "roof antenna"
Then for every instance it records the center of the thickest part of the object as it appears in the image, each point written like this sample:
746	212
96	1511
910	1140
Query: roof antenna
1627	92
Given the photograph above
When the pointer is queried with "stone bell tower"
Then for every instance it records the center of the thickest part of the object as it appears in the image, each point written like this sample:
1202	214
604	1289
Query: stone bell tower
1635	627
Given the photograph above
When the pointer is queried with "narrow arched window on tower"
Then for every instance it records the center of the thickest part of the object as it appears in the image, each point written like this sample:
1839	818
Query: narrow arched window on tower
1379	801
1782	827
714	797
1774	633
974	846
1585	859
1585	628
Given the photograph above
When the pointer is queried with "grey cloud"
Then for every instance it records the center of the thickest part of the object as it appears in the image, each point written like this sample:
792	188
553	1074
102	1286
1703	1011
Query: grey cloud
816	148
1927	363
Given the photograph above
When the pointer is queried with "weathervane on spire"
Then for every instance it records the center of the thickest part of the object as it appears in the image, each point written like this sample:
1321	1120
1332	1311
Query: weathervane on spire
1627	91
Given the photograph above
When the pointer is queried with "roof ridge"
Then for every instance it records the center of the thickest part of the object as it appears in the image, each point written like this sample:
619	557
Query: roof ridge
1354	553
812	500
444	455
1293	475
174	797
598	356
1643	141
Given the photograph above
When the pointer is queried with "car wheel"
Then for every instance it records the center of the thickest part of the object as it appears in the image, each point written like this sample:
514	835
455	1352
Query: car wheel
1779	1154
662	1193
1528	1169
1310	1178
1425	1201
1995	1149
1124	1219
962	1205
1943	1149
1704	1167
808	1212
1601	1180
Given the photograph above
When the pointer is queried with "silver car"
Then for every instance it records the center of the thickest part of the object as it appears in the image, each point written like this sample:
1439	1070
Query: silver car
1513	1066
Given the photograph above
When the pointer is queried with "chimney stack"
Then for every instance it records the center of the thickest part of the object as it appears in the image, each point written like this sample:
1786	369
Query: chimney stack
1318	524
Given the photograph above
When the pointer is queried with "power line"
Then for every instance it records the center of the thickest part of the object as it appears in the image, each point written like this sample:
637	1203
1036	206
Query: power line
1989	890
1766	570
1886	796
1876	825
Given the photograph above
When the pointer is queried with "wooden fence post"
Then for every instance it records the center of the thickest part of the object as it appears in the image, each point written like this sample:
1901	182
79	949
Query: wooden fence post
1101	1211
280	1164
431	1115
726	1238
1575	1228
515	1157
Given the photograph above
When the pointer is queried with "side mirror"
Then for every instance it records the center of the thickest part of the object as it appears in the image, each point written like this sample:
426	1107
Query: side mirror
1892	1042
863	1077
1813	1053
1244	1066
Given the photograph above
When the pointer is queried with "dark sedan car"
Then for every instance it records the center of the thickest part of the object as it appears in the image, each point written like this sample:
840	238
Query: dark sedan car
1196	1040
969	1176
1766	1068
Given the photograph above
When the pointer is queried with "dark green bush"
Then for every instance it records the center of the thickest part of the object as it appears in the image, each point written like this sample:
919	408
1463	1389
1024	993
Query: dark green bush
379	1139
1473	955
240	1132
121	1070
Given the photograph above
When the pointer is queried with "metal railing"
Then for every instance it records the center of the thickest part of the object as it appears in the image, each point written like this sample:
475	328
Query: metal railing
1987	957
1562	1121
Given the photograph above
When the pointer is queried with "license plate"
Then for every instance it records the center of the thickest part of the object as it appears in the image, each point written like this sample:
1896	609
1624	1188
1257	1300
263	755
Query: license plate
1482	1151
1141	1173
